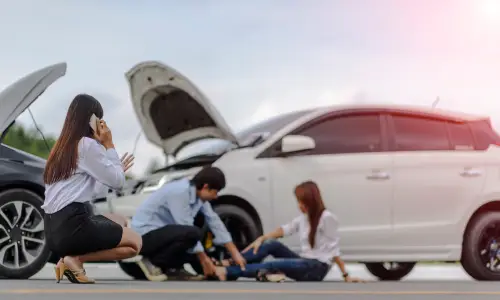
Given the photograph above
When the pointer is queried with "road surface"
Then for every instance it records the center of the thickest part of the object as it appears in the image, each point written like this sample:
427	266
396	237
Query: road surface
433	282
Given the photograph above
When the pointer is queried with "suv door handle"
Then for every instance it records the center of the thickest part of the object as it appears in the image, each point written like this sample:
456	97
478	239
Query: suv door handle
378	175
469	172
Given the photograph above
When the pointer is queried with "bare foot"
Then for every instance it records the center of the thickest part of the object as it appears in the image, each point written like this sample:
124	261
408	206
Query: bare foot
354	279
73	263
225	262
222	263
221	273
59	262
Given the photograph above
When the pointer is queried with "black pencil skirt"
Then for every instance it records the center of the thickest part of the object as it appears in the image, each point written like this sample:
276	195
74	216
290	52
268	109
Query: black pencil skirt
75	230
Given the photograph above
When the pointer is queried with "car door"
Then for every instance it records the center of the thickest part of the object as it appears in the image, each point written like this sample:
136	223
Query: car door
354	176
437	174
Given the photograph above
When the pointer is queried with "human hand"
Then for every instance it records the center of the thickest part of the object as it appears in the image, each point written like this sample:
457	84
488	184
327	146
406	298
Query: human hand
103	135
239	260
127	161
255	245
209	268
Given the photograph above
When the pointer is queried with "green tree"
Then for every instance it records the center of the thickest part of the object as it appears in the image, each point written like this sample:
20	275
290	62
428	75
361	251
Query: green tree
29	140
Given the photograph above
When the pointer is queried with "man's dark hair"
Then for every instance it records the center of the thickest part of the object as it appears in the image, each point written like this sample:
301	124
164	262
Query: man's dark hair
211	176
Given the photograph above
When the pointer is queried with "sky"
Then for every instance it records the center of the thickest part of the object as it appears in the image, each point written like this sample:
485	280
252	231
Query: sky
256	59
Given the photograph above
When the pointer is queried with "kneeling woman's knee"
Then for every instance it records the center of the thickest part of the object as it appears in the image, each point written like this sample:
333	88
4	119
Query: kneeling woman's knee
138	243
272	244
132	239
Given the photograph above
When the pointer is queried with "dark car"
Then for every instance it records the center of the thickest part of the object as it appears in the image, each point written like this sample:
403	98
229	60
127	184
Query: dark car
23	249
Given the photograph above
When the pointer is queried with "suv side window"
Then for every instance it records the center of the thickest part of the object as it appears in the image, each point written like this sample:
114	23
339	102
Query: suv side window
461	136
412	133
346	134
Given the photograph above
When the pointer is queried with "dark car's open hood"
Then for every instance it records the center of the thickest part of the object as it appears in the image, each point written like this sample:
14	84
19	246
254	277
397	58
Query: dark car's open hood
17	97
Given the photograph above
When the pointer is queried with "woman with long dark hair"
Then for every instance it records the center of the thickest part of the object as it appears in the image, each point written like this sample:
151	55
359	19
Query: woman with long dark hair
82	166
317	229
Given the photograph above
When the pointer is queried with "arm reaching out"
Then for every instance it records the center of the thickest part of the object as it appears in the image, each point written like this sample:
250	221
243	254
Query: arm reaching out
282	231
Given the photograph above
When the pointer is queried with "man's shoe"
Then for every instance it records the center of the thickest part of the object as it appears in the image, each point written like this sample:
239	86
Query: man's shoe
182	275
152	272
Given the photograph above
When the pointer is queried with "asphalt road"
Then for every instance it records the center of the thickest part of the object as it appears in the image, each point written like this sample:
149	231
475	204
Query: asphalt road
438	282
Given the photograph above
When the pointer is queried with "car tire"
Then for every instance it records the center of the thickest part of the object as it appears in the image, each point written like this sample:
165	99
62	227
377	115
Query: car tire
31	209
132	270
471	257
387	274
228	211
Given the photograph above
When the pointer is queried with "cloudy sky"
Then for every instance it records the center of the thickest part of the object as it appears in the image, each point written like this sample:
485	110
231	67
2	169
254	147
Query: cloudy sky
257	58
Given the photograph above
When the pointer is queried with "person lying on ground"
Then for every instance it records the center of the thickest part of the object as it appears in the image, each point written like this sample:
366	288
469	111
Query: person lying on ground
166	222
317	229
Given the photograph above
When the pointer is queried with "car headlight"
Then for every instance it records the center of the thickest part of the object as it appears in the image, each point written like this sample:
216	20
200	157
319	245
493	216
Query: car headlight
152	184
155	183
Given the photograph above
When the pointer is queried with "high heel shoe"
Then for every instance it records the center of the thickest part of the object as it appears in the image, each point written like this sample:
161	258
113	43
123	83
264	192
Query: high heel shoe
59	270
78	276
74	276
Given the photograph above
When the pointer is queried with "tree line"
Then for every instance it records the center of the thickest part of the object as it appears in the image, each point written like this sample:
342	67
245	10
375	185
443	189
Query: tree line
29	140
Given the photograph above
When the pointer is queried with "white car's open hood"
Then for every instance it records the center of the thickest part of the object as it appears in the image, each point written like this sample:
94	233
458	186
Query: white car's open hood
172	111
17	97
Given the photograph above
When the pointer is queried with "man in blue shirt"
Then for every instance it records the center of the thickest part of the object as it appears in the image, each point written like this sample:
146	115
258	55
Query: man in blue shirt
165	221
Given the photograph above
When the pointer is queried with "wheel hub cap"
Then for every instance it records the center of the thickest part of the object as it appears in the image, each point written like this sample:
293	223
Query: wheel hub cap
22	238
15	234
494	255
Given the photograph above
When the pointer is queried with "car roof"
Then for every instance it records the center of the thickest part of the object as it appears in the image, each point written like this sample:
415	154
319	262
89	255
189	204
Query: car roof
410	109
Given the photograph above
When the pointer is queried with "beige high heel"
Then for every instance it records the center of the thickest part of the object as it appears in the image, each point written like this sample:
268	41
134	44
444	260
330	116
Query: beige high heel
59	270
74	276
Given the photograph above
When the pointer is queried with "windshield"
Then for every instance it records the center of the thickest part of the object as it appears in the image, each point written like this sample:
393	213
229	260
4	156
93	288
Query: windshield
246	137
205	147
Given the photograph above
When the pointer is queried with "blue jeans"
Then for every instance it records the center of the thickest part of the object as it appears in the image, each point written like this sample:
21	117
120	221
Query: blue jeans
286	261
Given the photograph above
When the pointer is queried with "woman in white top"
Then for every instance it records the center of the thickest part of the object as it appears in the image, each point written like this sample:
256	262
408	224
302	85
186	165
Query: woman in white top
81	167
317	229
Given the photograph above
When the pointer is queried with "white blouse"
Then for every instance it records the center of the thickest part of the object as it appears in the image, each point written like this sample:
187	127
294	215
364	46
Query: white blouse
326	245
97	171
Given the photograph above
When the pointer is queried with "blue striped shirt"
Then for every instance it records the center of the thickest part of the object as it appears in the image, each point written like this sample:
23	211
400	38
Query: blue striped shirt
176	203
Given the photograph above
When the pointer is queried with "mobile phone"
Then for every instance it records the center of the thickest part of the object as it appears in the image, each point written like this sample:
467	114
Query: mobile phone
93	122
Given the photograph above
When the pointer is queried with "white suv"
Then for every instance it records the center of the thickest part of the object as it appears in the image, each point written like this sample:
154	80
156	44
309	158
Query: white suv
409	184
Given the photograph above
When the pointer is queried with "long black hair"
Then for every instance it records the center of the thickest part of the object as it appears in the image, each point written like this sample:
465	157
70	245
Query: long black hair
62	161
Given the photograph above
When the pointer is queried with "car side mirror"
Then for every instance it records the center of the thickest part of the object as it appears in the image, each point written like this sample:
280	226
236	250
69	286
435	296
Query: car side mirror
296	143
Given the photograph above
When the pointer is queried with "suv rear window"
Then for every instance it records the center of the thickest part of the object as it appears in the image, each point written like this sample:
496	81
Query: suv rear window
484	134
416	133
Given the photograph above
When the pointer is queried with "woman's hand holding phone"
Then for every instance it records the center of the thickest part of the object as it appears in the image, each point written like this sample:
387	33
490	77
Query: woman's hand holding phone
103	135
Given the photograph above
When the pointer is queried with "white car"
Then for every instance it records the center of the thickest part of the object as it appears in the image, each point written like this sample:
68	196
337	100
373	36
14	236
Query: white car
408	184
